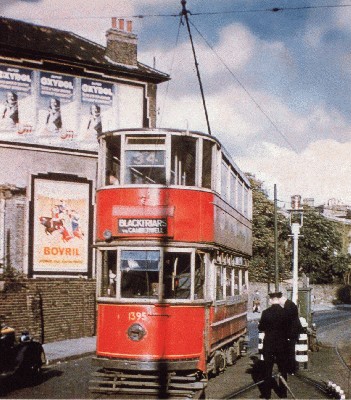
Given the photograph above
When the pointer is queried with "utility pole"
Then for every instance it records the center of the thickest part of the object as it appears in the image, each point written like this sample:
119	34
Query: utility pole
276	240
296	222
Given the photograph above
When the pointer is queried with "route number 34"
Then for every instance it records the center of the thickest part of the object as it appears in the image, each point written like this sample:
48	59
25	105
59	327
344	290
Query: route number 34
137	316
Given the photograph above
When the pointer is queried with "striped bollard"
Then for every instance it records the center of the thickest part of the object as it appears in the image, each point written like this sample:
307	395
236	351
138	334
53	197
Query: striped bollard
301	351
260	344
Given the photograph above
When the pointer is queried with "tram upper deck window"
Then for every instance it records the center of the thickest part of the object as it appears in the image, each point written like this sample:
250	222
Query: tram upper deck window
139	273
207	164
113	165
145	160
183	163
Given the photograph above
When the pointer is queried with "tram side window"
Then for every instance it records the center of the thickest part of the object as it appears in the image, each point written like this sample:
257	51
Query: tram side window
177	275
199	277
108	278
183	162
236	282
228	282
113	156
219	282
224	180
240	197
145	167
139	273
207	164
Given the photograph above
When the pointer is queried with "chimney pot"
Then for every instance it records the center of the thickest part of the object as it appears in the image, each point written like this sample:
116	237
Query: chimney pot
121	24
129	26
114	22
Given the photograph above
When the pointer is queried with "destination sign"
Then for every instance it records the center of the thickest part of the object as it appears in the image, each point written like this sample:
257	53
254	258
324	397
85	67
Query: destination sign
142	226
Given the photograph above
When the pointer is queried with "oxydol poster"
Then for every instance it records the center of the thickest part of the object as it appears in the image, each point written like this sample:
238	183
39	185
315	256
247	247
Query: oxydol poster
17	102
57	109
97	113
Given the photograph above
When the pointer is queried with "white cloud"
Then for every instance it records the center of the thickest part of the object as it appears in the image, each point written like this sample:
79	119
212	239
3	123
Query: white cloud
321	171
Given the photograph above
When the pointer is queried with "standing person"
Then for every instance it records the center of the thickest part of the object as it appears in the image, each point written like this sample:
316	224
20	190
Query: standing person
294	329
274	324
256	304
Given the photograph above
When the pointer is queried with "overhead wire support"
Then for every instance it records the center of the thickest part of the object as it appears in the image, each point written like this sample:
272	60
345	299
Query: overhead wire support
185	13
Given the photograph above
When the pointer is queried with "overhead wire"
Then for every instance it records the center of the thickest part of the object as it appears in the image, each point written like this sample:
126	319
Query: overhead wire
246	90
173	15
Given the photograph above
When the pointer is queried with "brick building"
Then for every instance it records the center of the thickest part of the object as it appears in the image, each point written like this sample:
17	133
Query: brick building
58	91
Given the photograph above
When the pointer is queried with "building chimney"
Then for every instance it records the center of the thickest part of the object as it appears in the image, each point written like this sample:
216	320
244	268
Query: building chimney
121	45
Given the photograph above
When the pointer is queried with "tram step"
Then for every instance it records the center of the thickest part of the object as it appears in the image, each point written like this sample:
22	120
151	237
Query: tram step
121	375
120	383
145	391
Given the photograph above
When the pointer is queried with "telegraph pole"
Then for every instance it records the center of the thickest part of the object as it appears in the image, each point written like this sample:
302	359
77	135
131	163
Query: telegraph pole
276	240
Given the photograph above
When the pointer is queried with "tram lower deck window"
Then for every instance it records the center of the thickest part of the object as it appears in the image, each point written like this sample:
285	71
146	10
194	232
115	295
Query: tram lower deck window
139	273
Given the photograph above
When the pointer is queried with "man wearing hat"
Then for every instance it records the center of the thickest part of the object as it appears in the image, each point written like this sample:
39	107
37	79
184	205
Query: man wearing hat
274	324
294	329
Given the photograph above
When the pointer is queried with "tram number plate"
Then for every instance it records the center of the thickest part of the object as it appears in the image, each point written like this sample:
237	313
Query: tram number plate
137	316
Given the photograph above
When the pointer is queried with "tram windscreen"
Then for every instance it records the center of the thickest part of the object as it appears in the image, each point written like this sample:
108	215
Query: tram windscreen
139	273
145	167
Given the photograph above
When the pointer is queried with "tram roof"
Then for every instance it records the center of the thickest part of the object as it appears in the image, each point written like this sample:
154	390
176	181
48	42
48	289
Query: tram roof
178	131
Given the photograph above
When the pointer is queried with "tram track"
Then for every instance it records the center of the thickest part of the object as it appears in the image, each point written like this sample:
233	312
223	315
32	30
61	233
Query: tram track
328	376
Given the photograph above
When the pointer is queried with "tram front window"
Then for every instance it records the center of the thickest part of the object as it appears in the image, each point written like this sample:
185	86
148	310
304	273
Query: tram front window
139	273
177	275
145	167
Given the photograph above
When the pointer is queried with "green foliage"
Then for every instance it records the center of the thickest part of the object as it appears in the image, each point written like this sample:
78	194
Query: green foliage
320	249
262	267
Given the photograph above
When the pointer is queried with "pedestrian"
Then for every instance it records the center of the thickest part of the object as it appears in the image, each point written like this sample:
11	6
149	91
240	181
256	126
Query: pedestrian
294	330
256	303
274	324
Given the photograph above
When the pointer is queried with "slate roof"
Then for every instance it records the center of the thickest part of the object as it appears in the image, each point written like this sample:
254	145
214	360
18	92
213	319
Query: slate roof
23	39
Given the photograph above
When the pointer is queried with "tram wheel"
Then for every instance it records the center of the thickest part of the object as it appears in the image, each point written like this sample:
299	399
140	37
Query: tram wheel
231	355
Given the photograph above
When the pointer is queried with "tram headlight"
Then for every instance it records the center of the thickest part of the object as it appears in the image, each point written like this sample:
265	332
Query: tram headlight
136	332
107	234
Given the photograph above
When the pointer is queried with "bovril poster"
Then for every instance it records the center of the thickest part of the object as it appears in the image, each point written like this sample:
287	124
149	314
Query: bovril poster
61	226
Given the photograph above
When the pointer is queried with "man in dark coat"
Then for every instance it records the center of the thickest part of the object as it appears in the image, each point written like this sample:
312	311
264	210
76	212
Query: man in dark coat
274	324
294	329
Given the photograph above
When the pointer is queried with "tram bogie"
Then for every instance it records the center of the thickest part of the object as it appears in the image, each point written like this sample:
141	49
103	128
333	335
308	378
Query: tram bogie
173	240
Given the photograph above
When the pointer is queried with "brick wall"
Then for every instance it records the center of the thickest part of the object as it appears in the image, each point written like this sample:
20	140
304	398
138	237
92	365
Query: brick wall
52	309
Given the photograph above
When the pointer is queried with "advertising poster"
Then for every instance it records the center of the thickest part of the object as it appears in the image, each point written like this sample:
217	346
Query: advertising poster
17	102
96	108
61	226
57	116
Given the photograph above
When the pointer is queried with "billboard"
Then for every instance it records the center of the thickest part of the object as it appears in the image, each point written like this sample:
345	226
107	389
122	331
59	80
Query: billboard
17	102
61	229
63	110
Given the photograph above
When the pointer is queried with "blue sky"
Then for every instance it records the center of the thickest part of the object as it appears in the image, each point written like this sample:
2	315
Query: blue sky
277	84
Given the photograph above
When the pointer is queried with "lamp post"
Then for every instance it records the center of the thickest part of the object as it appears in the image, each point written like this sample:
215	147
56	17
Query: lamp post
296	222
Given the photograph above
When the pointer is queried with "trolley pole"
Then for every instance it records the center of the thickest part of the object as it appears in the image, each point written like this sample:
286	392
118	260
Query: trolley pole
296	222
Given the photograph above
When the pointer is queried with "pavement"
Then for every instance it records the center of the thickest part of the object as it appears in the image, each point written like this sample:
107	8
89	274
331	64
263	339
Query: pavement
74	348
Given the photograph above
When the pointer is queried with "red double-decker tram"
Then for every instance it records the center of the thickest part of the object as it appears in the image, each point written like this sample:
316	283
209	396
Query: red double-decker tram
173	240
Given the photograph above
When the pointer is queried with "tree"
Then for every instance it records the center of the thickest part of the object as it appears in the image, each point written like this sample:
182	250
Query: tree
262	265
321	255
